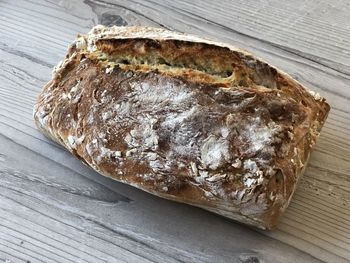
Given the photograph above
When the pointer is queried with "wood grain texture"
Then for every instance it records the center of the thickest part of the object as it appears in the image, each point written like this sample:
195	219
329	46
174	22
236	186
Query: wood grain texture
54	209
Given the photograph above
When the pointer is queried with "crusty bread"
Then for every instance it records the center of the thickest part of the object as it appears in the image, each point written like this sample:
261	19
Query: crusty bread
184	118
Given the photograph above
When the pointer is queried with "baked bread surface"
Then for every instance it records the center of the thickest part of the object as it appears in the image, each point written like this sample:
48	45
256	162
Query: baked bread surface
184	118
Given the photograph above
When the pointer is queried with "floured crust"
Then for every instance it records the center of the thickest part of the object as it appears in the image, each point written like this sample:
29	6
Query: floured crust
184	118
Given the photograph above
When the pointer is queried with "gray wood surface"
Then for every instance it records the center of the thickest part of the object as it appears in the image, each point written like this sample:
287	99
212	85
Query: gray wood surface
54	209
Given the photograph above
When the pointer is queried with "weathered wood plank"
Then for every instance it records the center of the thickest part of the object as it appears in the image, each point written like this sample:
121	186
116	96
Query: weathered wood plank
63	212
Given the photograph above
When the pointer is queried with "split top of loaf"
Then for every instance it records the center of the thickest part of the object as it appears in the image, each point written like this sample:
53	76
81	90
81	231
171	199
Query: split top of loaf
185	118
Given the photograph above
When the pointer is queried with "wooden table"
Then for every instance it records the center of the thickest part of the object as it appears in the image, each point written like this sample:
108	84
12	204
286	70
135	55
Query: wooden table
54	209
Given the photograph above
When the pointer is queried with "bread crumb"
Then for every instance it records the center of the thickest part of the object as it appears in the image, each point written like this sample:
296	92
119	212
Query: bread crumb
216	177
249	181
109	70
71	141
152	156
237	163
194	169
315	95
251	166
203	174
130	152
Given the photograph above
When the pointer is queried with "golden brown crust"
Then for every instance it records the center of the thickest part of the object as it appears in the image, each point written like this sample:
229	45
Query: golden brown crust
184	118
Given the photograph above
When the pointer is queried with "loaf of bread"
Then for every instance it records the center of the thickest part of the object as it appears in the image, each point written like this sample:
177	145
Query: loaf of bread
183	118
